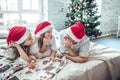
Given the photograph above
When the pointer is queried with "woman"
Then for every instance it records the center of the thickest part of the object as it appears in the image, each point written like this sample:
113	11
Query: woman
19	40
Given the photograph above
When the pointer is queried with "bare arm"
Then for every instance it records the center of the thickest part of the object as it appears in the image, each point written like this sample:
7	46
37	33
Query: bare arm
31	63
24	56
53	53
22	53
52	56
71	52
79	59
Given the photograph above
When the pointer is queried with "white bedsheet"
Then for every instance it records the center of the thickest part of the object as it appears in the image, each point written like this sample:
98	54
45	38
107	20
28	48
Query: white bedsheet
103	64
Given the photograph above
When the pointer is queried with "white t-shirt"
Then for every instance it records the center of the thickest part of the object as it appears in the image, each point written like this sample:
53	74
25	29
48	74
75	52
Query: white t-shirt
51	45
34	49
81	48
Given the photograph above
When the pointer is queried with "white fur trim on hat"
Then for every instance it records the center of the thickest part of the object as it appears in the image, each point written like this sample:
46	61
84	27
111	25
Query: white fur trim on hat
69	32
24	37
44	30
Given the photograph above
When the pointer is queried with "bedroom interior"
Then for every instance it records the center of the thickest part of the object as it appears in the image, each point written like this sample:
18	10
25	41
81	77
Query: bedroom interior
103	64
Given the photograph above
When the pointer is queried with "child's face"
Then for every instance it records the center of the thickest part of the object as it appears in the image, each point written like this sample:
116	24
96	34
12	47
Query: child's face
29	40
48	34
67	37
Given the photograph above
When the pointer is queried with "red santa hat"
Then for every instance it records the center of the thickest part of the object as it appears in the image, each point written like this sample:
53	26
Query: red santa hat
42	28
18	34
76	31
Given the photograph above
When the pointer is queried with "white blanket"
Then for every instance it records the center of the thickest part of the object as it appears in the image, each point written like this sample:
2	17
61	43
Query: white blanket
103	64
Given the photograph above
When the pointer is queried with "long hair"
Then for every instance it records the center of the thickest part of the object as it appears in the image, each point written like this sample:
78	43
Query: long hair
40	40
16	52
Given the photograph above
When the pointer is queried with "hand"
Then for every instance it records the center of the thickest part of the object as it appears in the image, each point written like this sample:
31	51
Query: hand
52	58
45	40
38	56
14	44
68	43
66	55
32	64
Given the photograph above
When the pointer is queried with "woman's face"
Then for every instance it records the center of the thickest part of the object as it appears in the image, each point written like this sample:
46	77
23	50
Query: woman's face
48	34
28	41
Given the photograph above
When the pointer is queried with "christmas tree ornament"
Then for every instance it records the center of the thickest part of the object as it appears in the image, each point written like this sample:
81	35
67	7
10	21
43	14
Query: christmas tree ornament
84	11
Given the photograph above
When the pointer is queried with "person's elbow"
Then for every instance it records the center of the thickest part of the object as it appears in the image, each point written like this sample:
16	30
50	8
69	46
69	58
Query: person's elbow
82	59
42	51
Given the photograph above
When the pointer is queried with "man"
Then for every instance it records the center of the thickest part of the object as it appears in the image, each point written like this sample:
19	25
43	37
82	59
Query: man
74	44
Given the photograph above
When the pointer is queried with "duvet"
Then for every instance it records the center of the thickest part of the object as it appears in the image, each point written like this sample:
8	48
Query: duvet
103	64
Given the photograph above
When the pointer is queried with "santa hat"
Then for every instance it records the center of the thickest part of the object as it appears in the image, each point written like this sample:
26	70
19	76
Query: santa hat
42	28
18	34
76	31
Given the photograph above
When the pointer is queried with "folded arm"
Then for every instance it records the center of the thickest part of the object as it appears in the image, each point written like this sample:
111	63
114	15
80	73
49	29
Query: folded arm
79	59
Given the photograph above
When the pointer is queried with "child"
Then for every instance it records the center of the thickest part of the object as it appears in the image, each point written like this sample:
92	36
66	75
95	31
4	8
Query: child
19	40
74	44
46	45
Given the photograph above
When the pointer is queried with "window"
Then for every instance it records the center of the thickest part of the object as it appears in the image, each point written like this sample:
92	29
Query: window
17	12
30	4
12	5
26	4
11	19
1	19
3	4
30	18
9	5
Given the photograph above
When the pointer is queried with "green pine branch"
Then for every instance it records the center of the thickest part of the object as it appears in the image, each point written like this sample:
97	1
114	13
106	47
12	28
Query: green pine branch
84	11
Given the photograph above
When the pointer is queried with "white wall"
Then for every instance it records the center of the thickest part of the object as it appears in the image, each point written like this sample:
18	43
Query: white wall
57	10
109	16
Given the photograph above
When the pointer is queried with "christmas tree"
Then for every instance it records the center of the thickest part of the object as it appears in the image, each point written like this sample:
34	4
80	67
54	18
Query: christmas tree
84	11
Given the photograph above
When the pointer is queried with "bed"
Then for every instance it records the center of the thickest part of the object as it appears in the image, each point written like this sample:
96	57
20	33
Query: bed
103	64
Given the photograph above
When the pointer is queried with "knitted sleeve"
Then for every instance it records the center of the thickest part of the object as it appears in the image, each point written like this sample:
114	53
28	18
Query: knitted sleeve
9	53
